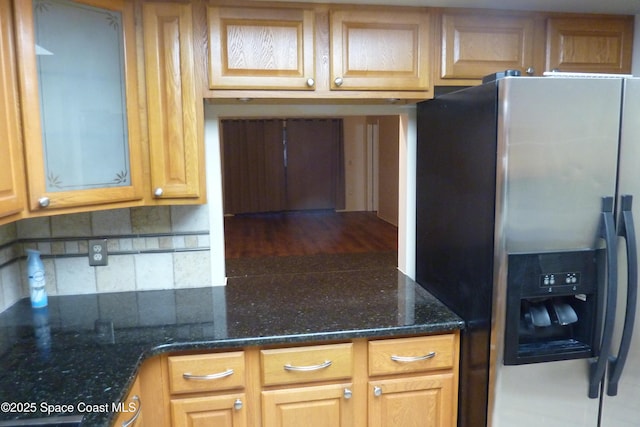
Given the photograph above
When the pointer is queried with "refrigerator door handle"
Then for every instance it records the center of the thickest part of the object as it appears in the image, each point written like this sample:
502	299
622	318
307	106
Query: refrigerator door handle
628	232
608	233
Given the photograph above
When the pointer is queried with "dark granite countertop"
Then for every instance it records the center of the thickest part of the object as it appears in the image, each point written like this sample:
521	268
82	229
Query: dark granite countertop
86	349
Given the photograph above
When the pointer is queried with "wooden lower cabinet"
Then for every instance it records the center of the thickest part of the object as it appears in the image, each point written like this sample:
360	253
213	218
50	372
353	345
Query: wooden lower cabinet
399	382
424	401
310	406
131	412
220	411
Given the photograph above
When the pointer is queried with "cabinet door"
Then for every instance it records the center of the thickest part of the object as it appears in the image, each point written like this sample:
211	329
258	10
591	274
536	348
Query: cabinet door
175	124
79	98
320	406
474	46
218	411
425	401
131	409
380	50
261	48
594	45
11	161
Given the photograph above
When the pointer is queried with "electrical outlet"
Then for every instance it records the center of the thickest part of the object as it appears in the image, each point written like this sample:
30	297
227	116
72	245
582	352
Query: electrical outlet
98	254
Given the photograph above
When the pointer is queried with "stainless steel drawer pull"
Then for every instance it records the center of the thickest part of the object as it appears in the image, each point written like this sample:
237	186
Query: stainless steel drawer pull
133	419
323	365
408	359
188	376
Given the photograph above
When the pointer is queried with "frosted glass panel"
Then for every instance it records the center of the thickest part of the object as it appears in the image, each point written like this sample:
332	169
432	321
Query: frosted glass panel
80	57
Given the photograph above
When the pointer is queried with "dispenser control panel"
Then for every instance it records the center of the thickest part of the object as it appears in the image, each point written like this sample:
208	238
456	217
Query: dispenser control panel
555	273
571	278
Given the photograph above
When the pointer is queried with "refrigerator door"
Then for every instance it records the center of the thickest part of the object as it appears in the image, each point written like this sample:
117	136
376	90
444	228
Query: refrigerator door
622	410
557	157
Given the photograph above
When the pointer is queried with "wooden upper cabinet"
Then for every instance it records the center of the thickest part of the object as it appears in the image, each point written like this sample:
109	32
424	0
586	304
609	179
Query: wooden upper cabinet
79	102
590	44
384	50
261	48
11	171
175	120
475	45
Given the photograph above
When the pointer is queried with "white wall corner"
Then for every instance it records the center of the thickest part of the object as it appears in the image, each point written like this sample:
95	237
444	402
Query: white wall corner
214	196
635	64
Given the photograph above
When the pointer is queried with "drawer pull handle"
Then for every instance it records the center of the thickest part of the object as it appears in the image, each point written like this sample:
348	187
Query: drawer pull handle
133	419
377	391
188	376
323	365
409	359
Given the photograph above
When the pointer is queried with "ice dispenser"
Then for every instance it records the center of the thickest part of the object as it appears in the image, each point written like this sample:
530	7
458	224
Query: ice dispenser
552	306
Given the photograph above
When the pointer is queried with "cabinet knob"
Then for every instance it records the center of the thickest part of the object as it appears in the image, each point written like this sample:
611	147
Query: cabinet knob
530	71
44	202
348	393
237	405
377	391
311	82
158	192
338	81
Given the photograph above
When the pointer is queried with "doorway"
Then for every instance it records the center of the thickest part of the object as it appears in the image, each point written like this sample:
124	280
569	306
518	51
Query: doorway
361	220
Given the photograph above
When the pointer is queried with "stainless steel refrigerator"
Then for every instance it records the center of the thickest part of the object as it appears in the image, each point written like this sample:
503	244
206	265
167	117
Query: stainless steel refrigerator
525	207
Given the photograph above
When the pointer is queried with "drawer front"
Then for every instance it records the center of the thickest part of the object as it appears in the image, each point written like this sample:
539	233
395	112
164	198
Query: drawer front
417	354
206	372
307	364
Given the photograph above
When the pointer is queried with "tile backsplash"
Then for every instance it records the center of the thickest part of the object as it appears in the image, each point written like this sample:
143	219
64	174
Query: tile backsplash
162	247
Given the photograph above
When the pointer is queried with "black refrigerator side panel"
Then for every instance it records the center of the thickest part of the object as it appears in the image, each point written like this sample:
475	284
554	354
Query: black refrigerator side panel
455	202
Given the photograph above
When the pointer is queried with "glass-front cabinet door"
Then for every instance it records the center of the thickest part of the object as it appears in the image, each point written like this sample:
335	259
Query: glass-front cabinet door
78	69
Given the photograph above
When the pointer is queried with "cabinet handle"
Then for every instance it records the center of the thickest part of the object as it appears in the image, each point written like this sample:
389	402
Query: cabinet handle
311	82
323	365
338	81
237	405
133	419
377	391
44	202
158	192
189	376
348	393
530	71
409	359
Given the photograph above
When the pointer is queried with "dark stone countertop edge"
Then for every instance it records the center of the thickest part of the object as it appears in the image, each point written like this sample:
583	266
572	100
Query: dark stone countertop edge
310	338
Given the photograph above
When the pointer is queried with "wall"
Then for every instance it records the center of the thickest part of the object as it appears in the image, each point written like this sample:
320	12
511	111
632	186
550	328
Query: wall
355	171
635	64
149	248
388	135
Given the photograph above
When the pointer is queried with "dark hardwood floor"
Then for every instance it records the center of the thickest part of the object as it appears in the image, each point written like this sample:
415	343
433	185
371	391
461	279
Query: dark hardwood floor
307	233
